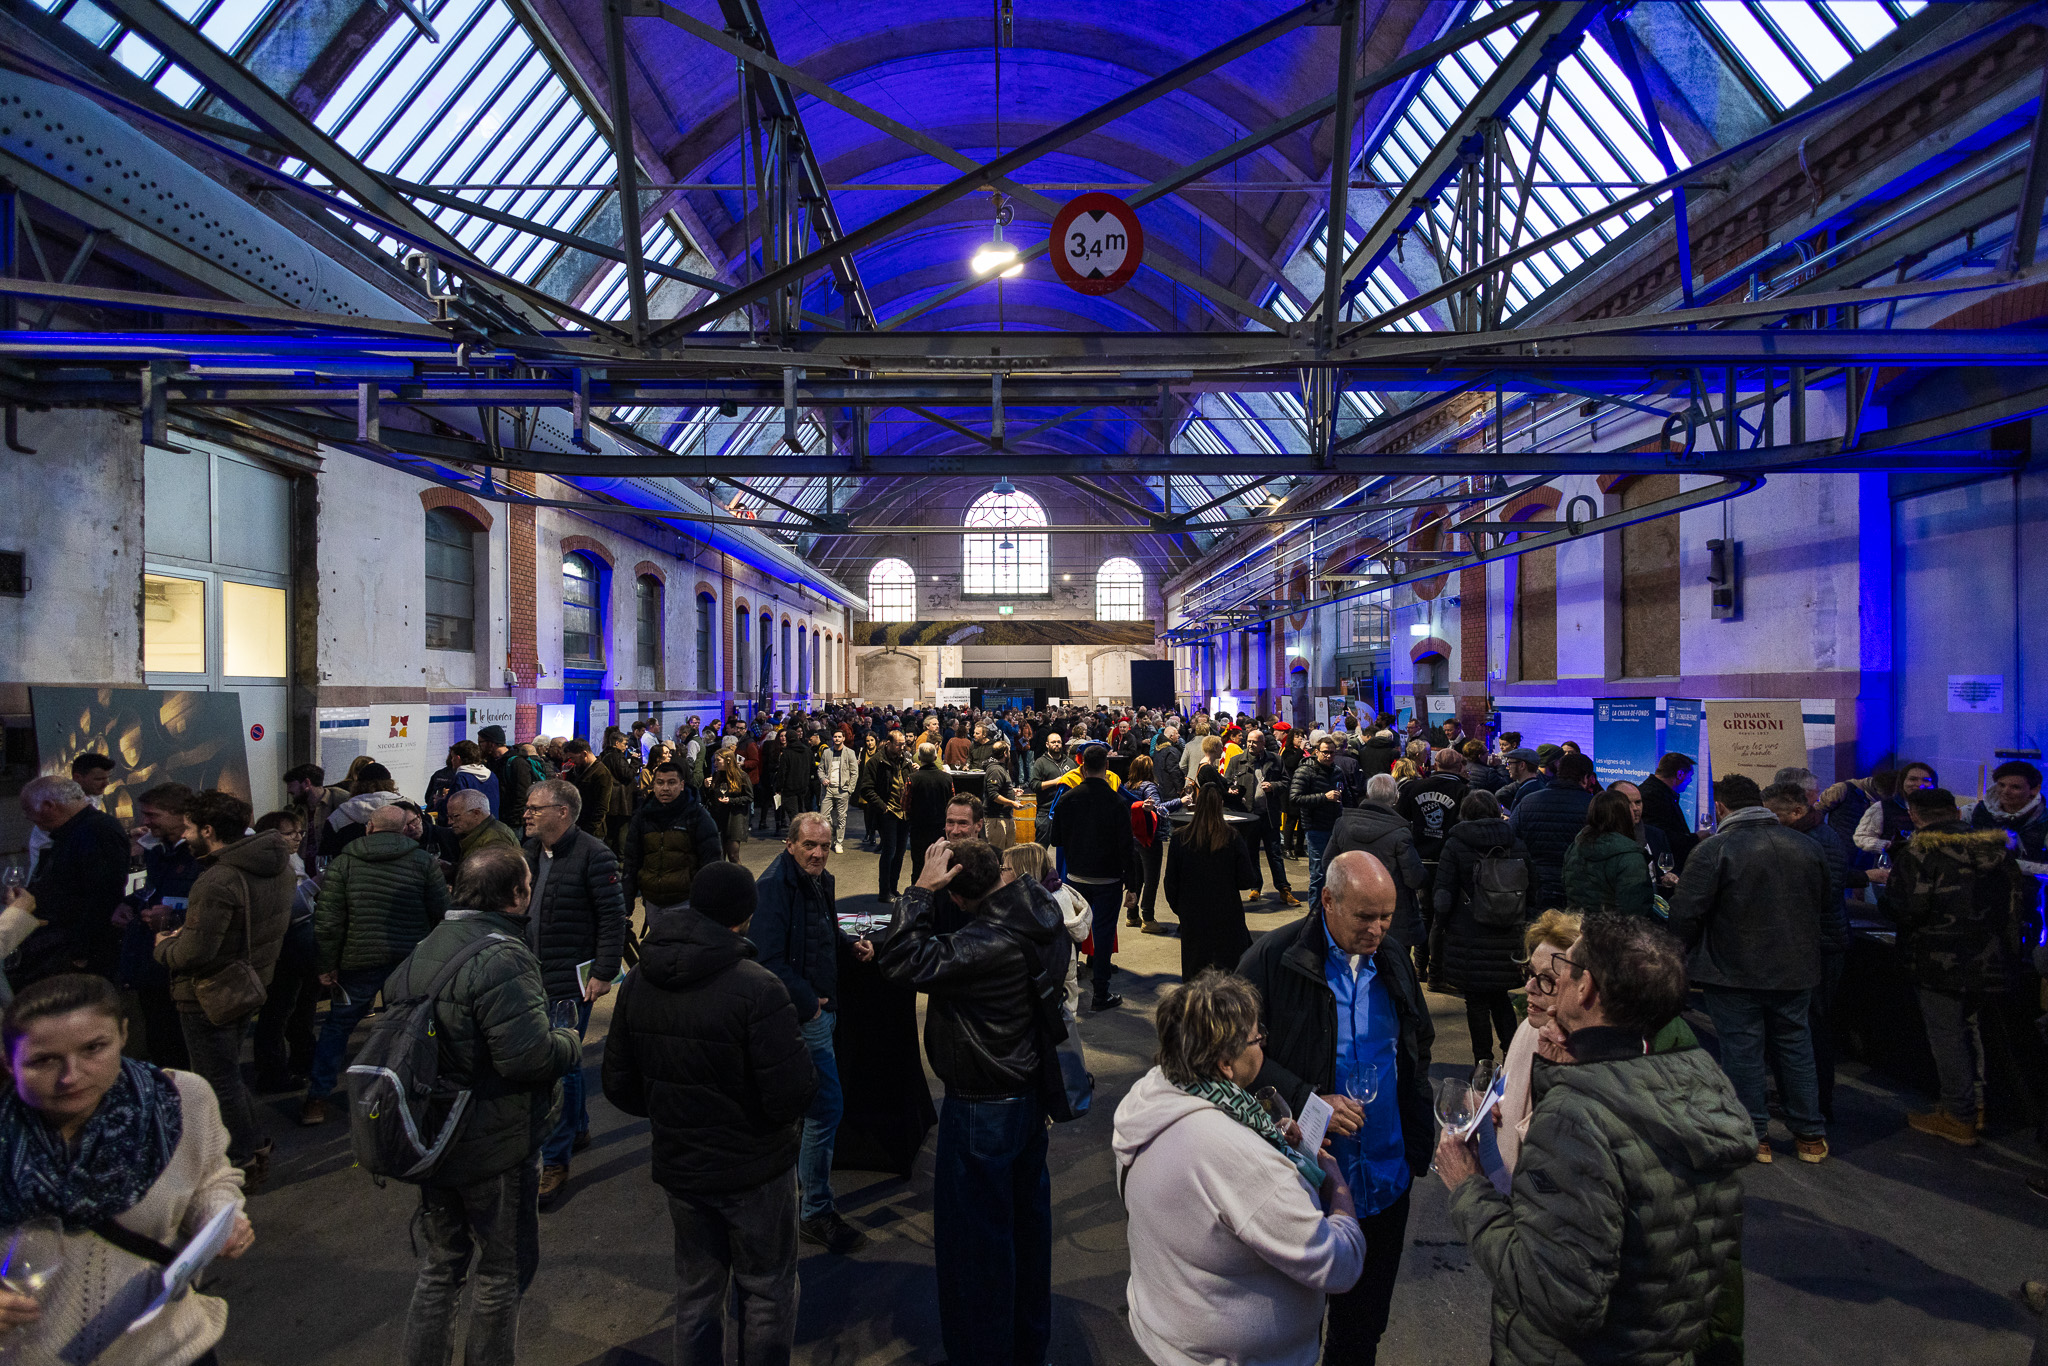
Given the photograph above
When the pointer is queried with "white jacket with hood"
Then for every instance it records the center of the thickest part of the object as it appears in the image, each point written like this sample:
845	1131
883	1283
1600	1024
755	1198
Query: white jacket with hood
1231	1254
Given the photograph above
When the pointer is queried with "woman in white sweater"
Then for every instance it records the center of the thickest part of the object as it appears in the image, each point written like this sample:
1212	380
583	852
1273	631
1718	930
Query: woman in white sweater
125	1155
1232	1252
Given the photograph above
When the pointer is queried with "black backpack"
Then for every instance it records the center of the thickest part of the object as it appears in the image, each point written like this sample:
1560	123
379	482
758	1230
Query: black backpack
1500	891
402	1118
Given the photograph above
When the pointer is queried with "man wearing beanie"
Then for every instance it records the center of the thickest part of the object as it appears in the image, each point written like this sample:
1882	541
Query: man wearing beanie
705	1044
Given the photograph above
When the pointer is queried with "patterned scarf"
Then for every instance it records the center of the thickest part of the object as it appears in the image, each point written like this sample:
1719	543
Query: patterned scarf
1235	1101
122	1150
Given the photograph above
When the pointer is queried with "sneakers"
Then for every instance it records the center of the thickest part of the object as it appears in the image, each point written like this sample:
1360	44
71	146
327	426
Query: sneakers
1942	1124
313	1113
1288	898
1109	1002
1763	1151
832	1233
1813	1149
553	1180
838	847
1154	927
1131	919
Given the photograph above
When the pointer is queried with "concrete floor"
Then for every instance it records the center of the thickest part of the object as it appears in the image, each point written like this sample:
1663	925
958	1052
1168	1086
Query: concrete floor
1901	1249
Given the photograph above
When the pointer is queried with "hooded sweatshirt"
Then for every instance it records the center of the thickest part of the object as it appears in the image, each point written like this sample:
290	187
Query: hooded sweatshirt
1231	1255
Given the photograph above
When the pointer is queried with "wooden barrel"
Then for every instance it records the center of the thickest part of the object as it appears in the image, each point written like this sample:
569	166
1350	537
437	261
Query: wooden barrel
1027	820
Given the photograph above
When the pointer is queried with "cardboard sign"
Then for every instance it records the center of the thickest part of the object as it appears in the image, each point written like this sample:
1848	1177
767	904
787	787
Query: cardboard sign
1756	738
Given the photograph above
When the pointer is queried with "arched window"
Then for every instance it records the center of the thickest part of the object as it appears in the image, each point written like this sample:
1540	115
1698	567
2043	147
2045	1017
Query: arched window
803	661
742	647
451	580
892	592
1003	561
705	607
1119	591
647	605
582	610
766	681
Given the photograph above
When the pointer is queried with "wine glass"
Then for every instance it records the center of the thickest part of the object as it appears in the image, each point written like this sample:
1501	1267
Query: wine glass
1275	1104
1663	865
1482	1079
13	874
32	1256
1362	1084
1455	1105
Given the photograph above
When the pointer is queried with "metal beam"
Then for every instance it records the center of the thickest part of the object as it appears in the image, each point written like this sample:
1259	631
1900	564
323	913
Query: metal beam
1549	39
625	161
889	223
266	109
2019	253
1338	219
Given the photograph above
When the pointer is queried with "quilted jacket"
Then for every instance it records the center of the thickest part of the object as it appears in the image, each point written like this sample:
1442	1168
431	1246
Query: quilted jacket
381	896
1614	1241
1966	914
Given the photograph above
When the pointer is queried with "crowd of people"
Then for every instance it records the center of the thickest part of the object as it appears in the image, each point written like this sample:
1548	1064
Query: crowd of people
1267	1160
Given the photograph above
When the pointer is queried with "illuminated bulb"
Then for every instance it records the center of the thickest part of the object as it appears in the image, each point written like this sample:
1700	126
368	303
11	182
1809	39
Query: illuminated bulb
993	257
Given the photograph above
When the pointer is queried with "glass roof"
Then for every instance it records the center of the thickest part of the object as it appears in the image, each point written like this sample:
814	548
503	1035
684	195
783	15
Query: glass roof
227	24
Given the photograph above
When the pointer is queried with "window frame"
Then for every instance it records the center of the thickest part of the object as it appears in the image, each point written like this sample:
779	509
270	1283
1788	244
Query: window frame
707	628
1115	577
885	586
647	593
596	635
986	570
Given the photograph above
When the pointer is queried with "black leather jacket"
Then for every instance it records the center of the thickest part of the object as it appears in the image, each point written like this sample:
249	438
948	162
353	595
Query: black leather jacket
980	1033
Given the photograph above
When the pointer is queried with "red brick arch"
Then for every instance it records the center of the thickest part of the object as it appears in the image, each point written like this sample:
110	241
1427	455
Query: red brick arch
589	546
741	605
1426	532
648	569
458	500
704	588
1423	649
1531	505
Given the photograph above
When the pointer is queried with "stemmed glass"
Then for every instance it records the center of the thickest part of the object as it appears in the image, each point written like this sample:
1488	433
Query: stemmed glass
31	1258
1663	866
1455	1105
1362	1084
12	874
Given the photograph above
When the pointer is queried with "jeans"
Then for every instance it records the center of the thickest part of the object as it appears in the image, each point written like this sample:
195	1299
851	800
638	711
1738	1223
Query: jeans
575	1113
1487	1014
738	1245
216	1052
1746	1021
992	1232
835	812
284	1027
1818	1010
499	1220
891	830
361	986
1105	903
1318	841
1955	1047
1358	1317
1266	834
821	1121
1155	860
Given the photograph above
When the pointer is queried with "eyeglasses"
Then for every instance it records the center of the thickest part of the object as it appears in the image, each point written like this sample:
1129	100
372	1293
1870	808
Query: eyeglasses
1257	1040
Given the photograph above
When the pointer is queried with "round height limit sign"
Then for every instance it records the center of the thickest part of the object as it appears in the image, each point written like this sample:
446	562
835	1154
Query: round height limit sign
1097	243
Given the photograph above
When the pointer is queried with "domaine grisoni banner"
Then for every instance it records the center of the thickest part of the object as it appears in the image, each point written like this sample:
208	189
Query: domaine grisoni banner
1757	738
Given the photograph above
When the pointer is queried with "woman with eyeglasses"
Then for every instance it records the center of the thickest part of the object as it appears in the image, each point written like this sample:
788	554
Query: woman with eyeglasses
1236	1236
1552	934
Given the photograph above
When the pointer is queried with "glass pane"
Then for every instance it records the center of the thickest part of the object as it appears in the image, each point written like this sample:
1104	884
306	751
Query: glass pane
173	625
96	24
252	631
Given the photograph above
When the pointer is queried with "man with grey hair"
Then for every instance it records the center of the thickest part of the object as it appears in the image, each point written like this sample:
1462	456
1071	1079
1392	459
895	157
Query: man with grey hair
1344	1019
469	816
576	924
77	881
796	933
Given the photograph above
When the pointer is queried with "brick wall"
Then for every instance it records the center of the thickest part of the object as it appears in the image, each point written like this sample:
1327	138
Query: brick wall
524	646
1472	625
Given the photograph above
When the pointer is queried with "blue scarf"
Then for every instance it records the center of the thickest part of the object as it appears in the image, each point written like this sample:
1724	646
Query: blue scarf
122	1150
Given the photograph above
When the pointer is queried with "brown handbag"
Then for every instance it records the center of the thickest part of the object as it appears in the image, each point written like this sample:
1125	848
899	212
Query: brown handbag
235	992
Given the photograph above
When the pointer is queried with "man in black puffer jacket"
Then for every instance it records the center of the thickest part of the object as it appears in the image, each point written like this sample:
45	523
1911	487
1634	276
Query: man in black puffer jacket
671	838
1547	819
577	927
704	1043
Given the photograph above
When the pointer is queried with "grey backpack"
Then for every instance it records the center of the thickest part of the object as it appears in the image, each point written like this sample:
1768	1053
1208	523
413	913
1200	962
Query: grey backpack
401	1116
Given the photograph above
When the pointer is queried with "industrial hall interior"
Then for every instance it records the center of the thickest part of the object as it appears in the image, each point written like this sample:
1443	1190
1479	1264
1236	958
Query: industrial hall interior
1020	683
